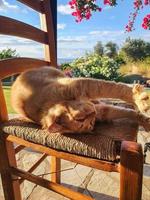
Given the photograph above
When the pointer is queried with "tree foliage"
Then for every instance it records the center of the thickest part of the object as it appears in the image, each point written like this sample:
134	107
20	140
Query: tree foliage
99	49
5	54
135	49
111	49
8	53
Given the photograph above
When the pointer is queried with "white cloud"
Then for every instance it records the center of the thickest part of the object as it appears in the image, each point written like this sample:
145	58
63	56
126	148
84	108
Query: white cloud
68	53
107	33
146	37
4	6
117	36
24	47
28	48
64	9
72	39
61	26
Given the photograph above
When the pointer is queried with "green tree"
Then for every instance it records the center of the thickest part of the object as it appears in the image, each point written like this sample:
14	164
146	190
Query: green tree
99	49
8	53
111	49
135	49
147	49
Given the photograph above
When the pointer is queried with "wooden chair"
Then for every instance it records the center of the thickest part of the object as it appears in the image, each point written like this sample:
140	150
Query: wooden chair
130	154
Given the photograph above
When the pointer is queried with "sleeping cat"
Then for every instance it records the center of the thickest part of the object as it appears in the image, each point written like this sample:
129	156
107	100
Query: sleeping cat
61	104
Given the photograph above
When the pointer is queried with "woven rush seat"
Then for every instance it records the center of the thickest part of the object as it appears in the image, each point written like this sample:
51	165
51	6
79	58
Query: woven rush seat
102	143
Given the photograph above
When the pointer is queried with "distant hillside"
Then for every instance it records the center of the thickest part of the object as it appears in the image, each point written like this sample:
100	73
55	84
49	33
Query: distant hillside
64	60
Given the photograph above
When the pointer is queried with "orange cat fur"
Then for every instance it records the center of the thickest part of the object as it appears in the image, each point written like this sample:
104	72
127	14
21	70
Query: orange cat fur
46	96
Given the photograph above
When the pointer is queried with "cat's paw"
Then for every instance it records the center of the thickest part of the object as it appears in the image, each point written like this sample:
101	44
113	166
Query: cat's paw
142	99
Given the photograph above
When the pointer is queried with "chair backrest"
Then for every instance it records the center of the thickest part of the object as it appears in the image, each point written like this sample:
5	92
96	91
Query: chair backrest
47	36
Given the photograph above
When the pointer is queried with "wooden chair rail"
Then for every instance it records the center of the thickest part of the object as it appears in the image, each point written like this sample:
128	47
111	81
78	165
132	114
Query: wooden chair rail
11	188
22	30
49	185
90	162
32	168
13	66
55	169
19	148
36	5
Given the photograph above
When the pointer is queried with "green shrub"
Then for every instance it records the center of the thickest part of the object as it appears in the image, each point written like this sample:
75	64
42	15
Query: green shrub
65	66
95	66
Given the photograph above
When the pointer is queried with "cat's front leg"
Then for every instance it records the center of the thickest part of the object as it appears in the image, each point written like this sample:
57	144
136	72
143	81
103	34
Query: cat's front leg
142	99
108	113
105	112
110	89
88	88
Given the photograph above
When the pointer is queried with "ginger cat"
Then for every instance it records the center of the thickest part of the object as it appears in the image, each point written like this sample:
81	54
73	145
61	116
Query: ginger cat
61	104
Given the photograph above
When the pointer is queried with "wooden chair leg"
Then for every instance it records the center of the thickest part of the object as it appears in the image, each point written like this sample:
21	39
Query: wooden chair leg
10	184
55	167
131	171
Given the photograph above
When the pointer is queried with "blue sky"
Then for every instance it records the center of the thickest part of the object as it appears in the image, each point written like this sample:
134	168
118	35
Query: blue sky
74	39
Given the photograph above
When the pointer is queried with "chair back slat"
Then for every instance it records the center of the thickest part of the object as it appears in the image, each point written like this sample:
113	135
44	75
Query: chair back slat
13	66
48	25
14	27
34	4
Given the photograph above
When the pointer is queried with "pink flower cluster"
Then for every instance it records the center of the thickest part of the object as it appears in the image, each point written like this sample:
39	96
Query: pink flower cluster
83	10
146	22
68	72
137	5
110	2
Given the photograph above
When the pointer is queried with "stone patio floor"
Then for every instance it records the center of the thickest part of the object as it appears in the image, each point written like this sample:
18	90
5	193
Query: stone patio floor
98	184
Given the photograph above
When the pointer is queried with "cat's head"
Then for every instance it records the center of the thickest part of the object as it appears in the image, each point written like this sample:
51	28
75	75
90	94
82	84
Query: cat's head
70	116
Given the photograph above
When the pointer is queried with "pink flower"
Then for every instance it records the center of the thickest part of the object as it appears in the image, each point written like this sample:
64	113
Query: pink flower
147	2
82	9
74	14
146	22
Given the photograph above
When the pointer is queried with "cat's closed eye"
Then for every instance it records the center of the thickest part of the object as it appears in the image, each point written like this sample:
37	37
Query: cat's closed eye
81	119
58	120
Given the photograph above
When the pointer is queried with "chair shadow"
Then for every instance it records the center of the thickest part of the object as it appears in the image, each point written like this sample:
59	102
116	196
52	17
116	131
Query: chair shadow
146	170
93	194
